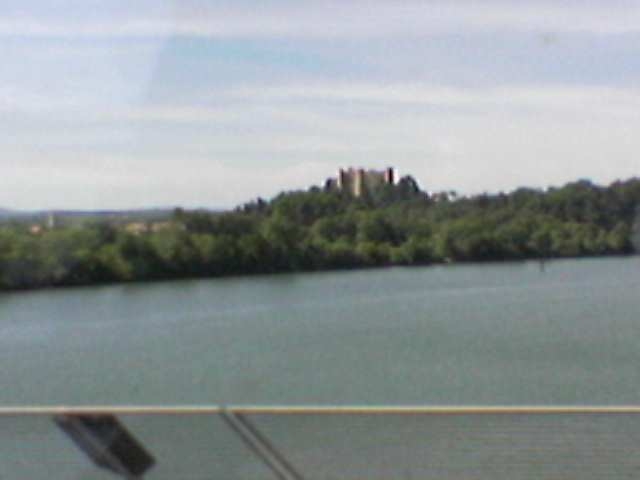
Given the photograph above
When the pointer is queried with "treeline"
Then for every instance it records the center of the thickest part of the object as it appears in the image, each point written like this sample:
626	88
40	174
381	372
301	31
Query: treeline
317	229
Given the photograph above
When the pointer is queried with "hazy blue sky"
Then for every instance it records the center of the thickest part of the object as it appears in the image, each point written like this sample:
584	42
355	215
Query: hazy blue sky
116	104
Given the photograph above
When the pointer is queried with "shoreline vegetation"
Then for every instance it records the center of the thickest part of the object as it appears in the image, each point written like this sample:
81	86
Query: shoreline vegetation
322	229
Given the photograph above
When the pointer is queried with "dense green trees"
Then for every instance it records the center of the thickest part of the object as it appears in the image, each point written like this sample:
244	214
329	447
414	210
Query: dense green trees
321	229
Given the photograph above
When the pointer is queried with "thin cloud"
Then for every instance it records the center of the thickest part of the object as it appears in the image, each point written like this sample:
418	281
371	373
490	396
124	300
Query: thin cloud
237	104
331	19
597	98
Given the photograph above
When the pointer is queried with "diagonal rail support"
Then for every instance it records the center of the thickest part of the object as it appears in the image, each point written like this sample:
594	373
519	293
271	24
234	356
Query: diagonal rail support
260	445
107	443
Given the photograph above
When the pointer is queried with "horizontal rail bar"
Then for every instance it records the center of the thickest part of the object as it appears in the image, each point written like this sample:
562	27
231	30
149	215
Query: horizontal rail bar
313	410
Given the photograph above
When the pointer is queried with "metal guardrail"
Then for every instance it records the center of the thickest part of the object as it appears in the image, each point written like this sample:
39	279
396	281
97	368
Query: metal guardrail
499	439
313	410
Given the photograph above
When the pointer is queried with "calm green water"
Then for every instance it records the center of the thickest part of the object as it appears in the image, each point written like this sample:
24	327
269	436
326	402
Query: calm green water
475	334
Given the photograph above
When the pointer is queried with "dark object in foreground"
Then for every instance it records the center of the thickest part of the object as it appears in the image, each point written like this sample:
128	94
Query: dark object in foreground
108	443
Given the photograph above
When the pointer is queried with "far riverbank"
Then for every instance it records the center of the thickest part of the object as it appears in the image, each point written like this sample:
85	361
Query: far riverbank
324	230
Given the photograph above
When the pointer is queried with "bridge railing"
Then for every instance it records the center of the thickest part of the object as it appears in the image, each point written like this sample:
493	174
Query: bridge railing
319	442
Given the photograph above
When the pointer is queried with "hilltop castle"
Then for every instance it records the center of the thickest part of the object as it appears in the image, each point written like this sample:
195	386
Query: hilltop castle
357	181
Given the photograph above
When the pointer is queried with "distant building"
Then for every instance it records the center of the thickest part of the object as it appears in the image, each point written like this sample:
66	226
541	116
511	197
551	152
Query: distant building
357	181
137	228
35	229
140	228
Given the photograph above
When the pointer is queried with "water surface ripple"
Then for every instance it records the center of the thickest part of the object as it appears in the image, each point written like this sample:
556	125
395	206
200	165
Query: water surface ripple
470	334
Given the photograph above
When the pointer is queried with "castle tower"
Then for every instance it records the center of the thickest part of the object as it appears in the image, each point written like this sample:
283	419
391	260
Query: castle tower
358	182
388	176
340	180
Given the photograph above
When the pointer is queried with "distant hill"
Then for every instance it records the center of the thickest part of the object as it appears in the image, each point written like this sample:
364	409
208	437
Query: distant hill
70	217
6	213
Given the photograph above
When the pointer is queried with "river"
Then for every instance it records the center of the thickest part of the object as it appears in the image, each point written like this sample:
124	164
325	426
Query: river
486	334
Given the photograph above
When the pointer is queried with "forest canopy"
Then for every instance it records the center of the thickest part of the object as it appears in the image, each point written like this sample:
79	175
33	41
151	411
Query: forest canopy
320	229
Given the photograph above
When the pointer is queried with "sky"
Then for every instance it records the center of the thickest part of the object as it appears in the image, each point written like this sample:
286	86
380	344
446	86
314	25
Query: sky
114	104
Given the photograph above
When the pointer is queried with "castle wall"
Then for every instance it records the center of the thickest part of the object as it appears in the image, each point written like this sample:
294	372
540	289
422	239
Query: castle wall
358	181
